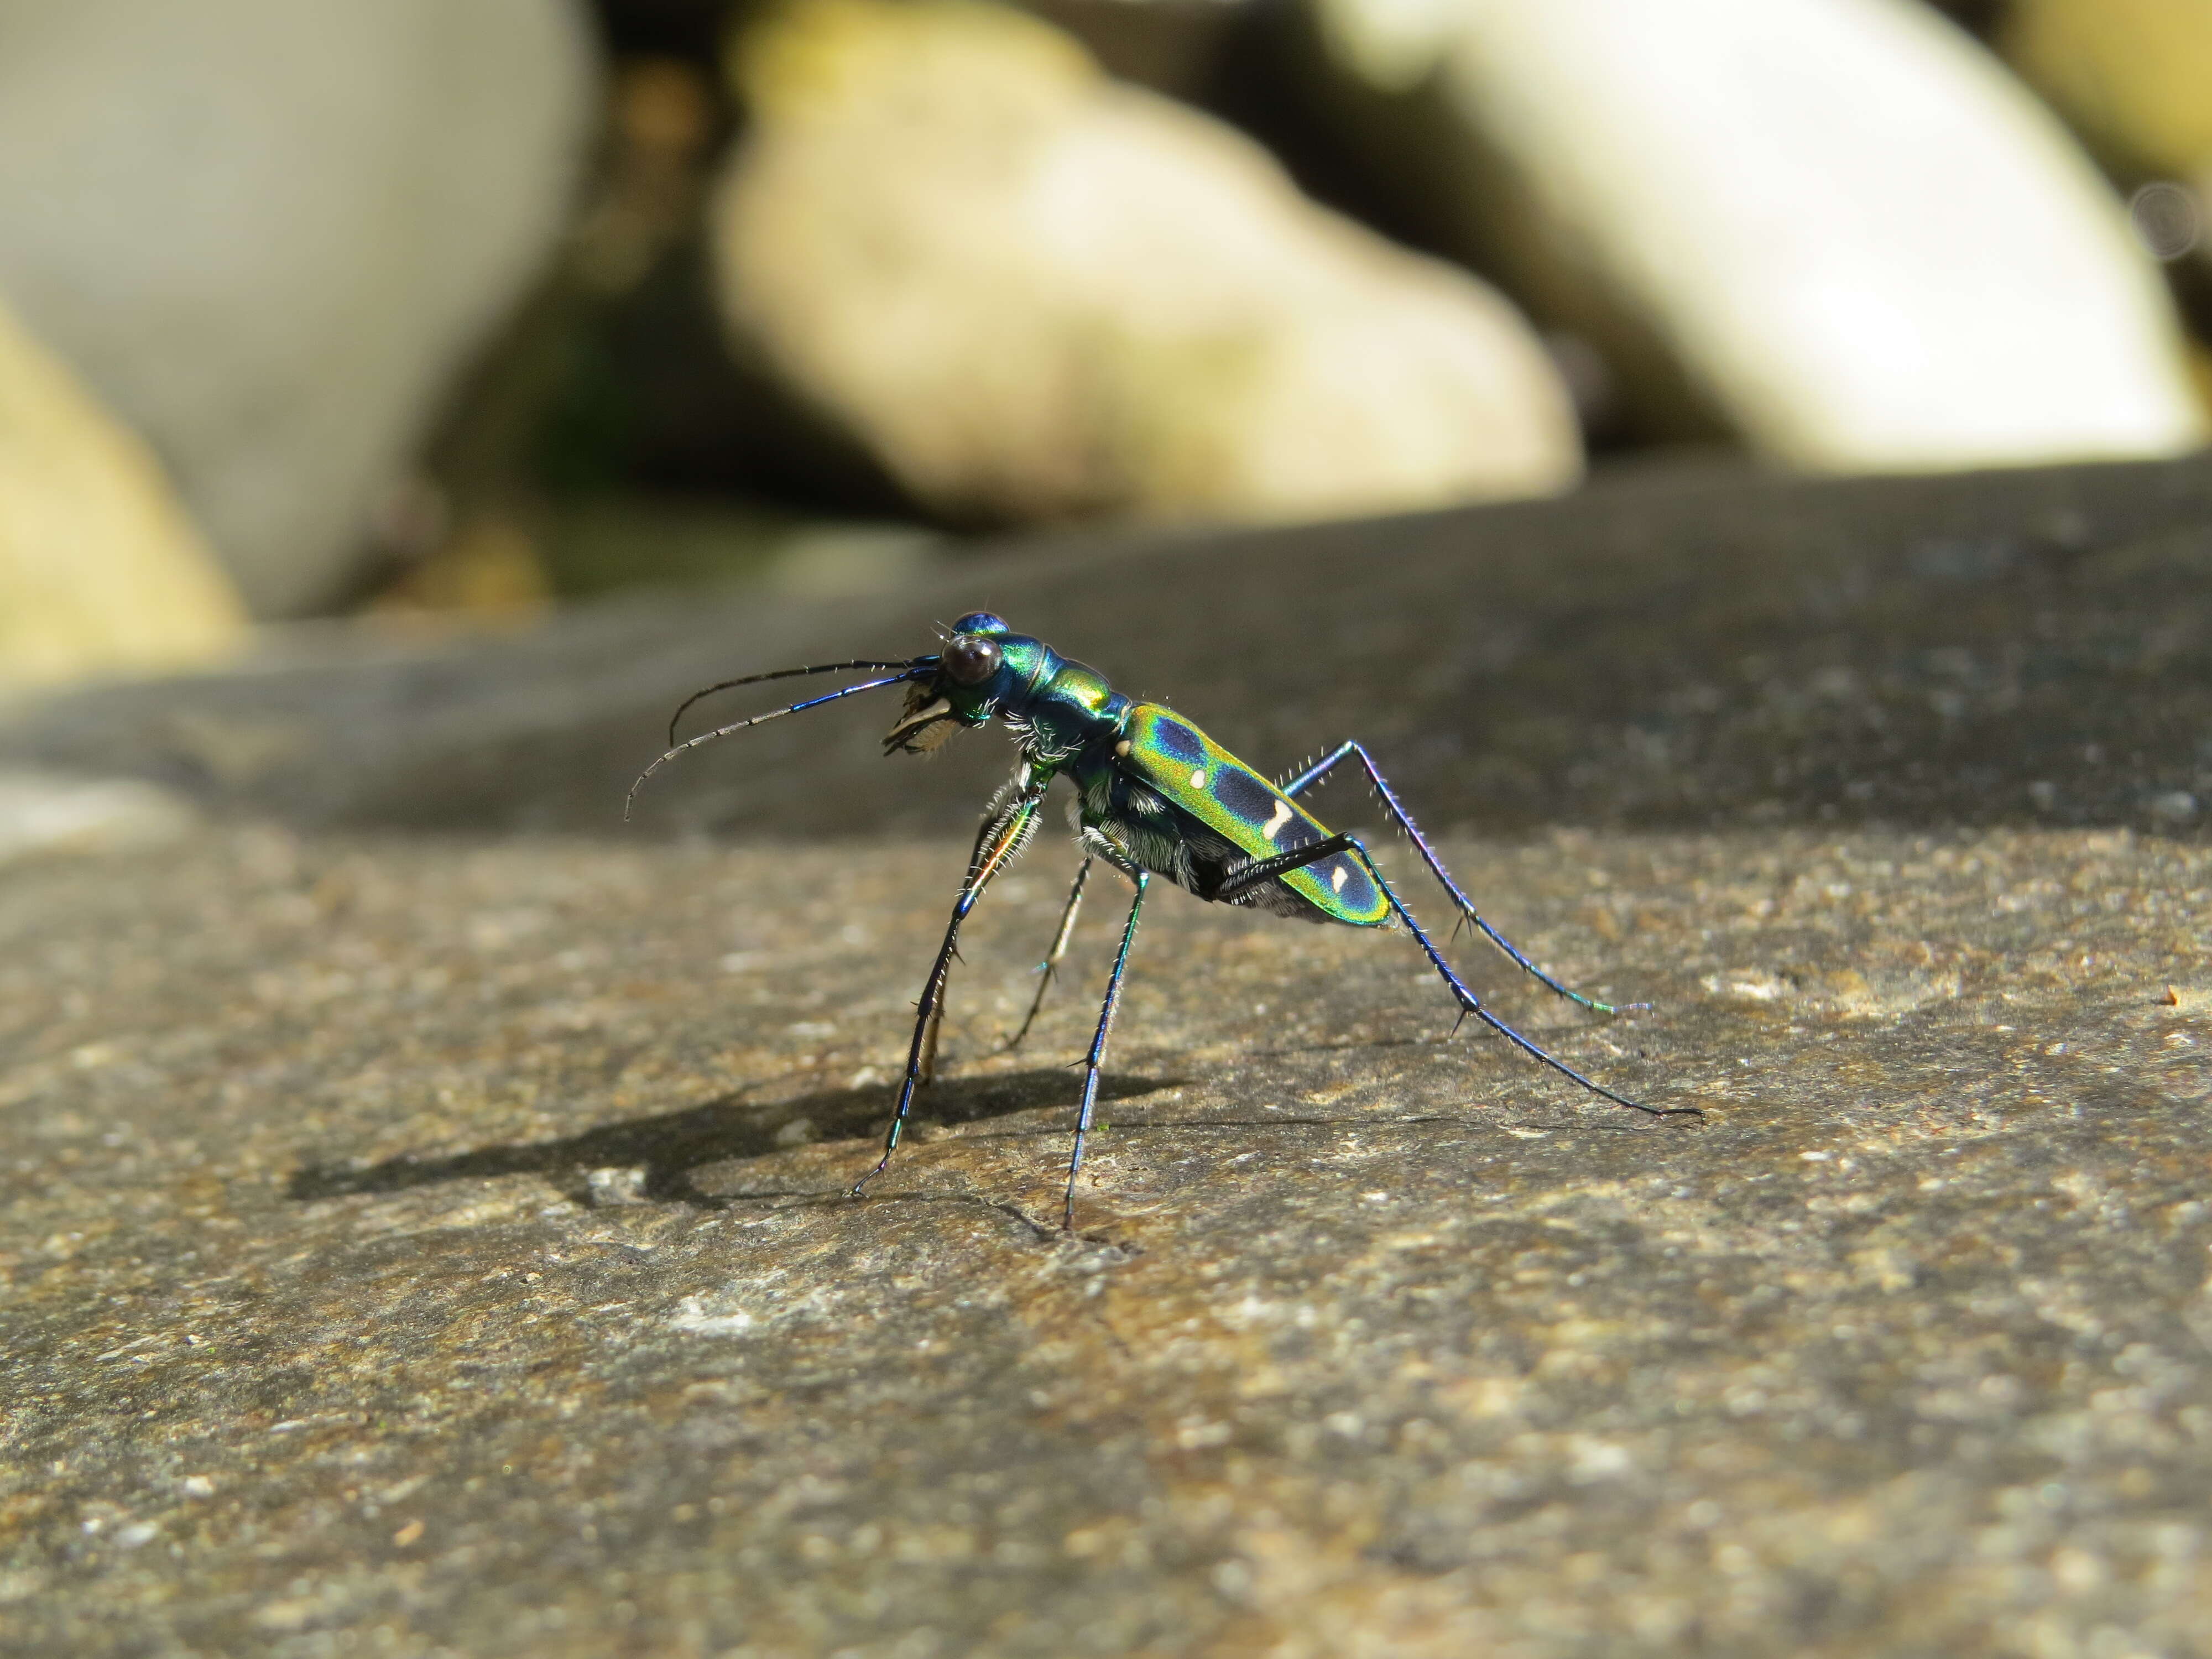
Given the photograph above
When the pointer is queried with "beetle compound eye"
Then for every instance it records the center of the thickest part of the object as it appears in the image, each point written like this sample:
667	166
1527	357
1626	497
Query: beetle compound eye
970	661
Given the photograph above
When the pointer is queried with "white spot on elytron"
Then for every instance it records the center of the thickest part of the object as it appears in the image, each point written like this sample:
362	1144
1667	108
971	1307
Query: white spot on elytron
1198	777
1123	747
1336	881
1275	824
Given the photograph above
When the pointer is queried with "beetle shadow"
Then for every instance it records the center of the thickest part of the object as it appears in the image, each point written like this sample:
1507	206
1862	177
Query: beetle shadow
673	1147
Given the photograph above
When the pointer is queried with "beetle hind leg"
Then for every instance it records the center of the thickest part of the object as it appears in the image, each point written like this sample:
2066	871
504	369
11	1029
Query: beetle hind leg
1352	749
1471	1003
1282	864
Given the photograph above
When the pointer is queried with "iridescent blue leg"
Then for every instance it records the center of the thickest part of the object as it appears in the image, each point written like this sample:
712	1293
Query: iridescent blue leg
1050	968
1098	1055
1271	869
994	850
1404	820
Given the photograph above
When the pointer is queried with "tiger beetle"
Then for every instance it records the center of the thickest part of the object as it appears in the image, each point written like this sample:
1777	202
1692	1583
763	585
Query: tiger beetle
1155	796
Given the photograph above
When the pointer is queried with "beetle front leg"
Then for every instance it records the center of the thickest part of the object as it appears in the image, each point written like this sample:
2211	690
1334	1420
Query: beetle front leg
994	849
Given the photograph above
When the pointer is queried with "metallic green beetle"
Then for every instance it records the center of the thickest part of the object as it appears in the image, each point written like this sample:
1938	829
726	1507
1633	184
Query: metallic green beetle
1155	796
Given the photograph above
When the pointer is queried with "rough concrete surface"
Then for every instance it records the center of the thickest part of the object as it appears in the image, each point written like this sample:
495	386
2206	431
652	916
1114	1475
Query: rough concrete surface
436	1244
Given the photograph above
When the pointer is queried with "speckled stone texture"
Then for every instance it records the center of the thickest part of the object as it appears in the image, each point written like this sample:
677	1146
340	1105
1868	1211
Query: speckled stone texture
431	1244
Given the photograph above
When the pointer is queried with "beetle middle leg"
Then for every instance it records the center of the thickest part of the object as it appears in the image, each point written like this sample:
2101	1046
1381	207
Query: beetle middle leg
1096	1057
1050	969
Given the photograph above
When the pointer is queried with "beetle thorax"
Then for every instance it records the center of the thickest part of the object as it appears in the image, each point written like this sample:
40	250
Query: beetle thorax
1063	709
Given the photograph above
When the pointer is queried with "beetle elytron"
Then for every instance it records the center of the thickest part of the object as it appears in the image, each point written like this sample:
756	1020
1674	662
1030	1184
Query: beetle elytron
1155	796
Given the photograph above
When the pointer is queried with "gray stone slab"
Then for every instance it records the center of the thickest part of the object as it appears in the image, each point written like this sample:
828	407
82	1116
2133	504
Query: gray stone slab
439	1247
1668	650
424	1238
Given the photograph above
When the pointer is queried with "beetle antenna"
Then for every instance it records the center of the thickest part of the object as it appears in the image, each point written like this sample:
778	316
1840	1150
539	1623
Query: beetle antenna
757	720
785	674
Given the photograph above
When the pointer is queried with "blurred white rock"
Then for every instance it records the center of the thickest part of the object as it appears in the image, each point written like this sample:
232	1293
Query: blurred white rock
270	231
45	813
101	571
1838	226
1033	292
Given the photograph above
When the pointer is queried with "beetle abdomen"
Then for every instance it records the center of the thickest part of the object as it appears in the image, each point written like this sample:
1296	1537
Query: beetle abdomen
1233	818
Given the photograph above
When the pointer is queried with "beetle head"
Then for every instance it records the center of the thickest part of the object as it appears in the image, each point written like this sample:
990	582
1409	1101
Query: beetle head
972	678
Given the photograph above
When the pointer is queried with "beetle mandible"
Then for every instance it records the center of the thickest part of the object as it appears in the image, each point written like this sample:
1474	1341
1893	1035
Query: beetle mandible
1155	796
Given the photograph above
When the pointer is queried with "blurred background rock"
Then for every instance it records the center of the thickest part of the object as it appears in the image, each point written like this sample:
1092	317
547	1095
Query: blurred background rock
1835	229
268	232
98	562
411	310
1037	294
